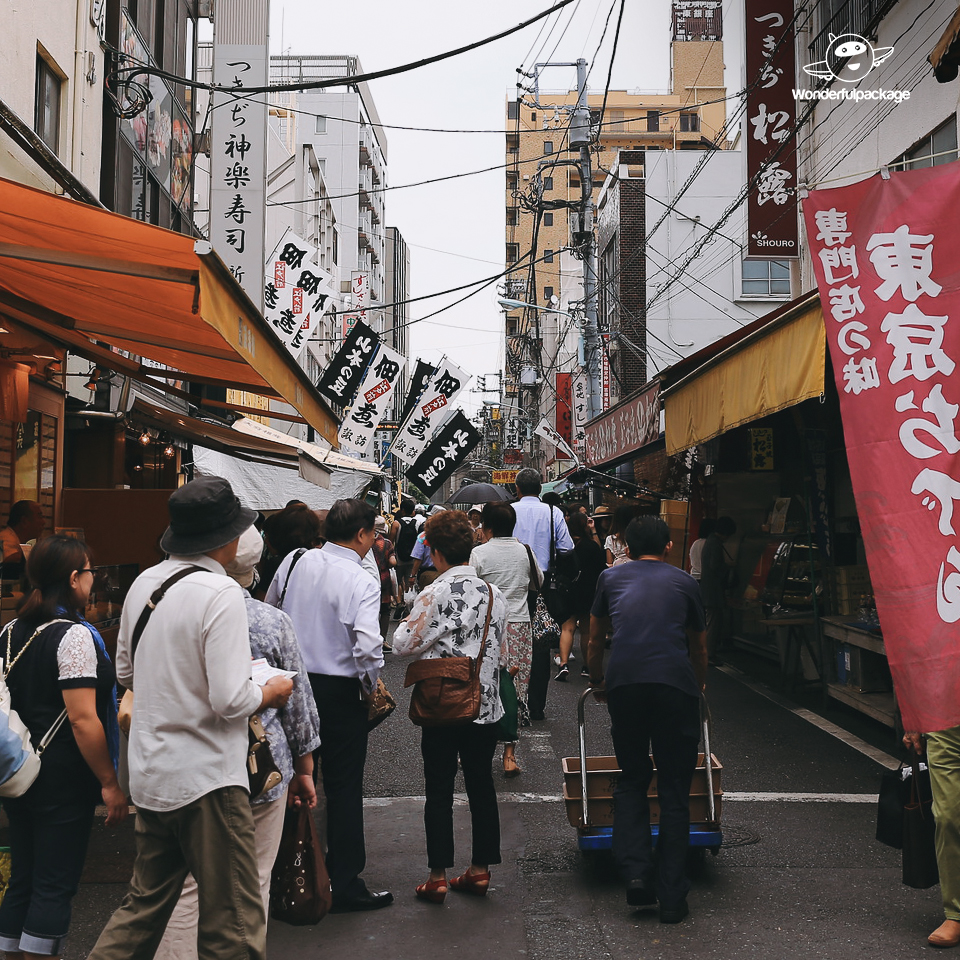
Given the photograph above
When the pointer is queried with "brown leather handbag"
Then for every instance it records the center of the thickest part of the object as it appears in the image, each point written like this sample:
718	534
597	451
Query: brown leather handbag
446	691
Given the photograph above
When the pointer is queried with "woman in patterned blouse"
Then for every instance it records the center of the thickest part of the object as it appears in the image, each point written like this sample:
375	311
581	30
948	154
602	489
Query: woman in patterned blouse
447	620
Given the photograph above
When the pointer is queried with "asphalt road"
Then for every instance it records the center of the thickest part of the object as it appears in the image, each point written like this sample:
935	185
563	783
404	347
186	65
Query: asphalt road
799	876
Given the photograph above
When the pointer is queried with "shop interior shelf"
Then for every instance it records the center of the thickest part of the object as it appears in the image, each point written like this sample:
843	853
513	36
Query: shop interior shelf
880	706
841	628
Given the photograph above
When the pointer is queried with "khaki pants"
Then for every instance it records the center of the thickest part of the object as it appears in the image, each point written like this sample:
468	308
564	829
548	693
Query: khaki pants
943	758
212	838
180	940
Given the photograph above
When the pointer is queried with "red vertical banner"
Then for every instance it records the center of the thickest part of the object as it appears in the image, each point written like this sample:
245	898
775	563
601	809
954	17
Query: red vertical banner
772	229
564	422
886	255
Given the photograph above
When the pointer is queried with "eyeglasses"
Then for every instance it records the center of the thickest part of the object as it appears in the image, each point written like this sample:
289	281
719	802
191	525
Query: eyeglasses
86	570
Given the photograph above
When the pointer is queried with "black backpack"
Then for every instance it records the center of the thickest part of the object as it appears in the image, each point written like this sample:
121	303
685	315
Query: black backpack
406	538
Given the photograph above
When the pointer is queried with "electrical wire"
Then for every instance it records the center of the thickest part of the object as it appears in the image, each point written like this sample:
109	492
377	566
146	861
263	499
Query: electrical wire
613	56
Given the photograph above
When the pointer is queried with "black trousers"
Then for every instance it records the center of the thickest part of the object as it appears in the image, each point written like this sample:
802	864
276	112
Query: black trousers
342	753
474	744
642	714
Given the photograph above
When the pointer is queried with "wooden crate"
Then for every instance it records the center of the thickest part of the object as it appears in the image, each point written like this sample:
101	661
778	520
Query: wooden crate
602	776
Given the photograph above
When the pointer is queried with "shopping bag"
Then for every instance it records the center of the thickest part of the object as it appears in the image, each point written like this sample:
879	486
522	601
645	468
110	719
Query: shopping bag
507	724
919	848
894	796
300	885
546	630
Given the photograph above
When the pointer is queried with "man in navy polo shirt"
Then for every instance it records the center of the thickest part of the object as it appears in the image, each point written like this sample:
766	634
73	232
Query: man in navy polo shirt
654	678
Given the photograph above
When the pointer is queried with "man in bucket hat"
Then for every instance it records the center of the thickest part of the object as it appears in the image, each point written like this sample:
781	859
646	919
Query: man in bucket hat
190	673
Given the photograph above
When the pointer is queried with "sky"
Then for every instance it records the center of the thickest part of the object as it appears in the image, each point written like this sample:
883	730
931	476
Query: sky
455	229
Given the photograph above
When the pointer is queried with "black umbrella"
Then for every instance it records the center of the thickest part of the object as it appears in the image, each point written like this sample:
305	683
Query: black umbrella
480	493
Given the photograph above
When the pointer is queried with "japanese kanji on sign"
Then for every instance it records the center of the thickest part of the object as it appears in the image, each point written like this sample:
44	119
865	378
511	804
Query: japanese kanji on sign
372	400
448	449
885	253
430	411
340	381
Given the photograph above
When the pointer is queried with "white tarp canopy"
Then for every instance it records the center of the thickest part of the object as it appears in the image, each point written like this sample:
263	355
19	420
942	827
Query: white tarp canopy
266	487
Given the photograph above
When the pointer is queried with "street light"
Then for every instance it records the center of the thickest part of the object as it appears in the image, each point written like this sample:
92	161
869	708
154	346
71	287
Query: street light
509	304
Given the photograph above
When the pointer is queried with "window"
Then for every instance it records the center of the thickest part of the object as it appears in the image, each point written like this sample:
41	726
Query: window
689	122
548	294
322	164
511	180
321	126
46	115
513	252
548	256
511	216
766	278
547	147
939	147
513	144
653	121
548	219
547	184
513	110
533	116
616	120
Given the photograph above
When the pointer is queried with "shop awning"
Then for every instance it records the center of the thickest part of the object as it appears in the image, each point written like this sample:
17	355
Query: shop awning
945	57
86	277
774	365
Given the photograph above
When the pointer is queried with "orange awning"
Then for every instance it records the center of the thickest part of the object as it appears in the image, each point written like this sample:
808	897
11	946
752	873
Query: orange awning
80	275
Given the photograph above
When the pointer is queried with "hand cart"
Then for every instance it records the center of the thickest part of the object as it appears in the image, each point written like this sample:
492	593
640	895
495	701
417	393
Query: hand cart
589	797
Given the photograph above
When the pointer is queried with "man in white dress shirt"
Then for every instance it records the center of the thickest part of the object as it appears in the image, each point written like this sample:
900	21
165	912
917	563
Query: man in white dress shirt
537	522
190	674
336	609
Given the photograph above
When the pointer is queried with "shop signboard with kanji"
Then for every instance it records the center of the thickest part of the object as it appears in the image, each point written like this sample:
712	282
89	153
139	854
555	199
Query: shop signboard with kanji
341	380
504	476
372	401
430	410
885	251
444	453
624	429
297	292
772	229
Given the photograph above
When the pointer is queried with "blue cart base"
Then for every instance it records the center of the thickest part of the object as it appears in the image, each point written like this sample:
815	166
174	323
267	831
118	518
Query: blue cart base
601	838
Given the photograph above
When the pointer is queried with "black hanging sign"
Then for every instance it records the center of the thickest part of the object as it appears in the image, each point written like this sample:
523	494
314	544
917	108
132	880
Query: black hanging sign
418	383
341	380
450	446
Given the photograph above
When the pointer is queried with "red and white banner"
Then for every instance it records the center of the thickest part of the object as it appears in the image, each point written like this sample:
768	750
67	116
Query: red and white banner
886	254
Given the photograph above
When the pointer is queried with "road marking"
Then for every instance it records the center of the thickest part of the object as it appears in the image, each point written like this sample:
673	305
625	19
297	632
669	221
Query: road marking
881	757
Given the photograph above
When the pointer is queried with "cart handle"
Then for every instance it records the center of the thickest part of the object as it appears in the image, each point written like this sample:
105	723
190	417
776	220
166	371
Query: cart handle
583	755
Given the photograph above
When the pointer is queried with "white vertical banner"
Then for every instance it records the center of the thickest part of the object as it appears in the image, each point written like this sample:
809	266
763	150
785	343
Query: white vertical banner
430	411
238	142
373	400
359	300
296	291
581	410
546	430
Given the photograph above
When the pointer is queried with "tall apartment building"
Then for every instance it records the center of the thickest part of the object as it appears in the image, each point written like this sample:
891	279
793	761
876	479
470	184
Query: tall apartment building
543	189
342	126
395	332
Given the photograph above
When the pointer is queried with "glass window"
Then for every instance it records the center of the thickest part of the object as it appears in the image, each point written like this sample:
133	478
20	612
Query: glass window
548	256
513	252
46	117
653	121
321	126
934	149
547	184
548	219
548	294
511	216
689	122
547	147
513	110
766	278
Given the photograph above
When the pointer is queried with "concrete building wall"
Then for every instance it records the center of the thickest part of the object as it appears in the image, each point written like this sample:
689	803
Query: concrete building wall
59	32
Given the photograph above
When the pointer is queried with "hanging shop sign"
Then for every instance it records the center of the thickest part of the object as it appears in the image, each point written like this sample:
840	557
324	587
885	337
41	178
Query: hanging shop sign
624	429
565	406
546	430
297	292
238	156
504	476
581	411
430	410
772	228
341	380
418	383
446	451
359	300
885	253
373	400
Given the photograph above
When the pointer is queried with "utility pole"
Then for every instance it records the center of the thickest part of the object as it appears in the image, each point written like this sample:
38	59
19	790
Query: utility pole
585	243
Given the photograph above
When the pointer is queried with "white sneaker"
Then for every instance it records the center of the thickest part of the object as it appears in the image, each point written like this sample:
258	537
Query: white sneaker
556	660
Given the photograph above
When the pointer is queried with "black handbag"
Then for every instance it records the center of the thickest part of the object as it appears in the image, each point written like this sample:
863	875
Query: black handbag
894	795
919	845
564	570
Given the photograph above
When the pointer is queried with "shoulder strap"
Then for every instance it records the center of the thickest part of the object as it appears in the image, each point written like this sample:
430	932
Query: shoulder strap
155	598
286	583
535	582
486	626
553	542
9	663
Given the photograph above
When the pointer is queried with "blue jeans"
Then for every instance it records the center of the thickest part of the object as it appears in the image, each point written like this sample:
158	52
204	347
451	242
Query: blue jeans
642	714
48	846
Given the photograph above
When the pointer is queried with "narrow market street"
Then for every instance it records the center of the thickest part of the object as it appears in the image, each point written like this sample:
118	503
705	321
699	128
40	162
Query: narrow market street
800	874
